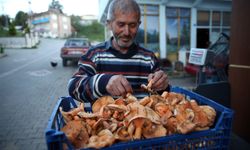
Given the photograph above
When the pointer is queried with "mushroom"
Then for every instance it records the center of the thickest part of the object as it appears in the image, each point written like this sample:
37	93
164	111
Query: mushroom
200	117
76	133
148	87
120	101
122	134
184	118
173	98
100	125
145	100
102	139
163	110
151	130
118	111
171	125
133	109
102	101
130	98
71	115
105	112
90	118
138	122
152	115
210	113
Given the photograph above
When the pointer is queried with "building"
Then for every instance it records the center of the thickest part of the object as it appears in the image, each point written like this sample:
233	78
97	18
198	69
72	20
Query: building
170	25
51	23
88	19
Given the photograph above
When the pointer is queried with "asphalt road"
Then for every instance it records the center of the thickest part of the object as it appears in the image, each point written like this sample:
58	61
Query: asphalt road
29	89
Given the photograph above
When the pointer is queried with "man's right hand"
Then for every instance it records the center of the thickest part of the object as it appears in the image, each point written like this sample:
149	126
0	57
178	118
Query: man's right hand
118	85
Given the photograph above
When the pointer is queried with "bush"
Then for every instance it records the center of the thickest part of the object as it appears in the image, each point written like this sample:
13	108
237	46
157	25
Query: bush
12	30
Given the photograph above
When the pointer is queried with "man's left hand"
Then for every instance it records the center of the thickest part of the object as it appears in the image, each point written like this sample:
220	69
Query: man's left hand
159	80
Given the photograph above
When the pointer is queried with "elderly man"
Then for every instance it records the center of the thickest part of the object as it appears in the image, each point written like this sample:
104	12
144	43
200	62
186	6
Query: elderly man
119	65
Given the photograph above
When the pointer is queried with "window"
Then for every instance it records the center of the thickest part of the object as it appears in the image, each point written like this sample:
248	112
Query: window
203	18
216	18
54	17
148	33
217	23
178	29
55	25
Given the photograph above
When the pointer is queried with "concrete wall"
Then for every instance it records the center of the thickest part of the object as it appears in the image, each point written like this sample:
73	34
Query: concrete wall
28	41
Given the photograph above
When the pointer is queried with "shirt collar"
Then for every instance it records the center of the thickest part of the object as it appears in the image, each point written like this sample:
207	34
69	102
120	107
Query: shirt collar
109	44
133	49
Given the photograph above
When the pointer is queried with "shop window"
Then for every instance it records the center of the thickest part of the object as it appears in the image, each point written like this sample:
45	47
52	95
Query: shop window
203	18
178	29
216	19
148	33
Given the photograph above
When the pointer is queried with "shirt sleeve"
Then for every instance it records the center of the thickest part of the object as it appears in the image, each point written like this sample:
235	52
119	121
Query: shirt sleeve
86	85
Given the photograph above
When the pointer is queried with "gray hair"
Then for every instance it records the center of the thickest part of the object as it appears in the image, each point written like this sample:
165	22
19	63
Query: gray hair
123	6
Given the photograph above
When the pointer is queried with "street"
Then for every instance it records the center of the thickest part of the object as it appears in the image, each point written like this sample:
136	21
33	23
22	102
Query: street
29	89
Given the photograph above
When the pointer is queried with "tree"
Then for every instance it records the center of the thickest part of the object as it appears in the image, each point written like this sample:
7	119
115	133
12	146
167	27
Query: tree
12	29
56	5
4	20
75	22
21	18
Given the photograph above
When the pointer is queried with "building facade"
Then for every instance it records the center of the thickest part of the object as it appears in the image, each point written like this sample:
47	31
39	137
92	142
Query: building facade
51	23
169	26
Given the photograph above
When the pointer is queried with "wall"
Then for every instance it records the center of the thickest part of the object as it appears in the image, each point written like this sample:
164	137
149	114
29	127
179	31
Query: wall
239	70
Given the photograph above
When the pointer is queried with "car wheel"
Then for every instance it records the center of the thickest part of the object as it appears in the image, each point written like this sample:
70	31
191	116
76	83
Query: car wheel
64	62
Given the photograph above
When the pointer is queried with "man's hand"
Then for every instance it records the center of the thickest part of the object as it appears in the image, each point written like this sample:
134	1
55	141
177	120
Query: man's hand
118	85
159	80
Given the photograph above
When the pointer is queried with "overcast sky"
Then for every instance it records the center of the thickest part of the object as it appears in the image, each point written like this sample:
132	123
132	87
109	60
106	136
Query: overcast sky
76	7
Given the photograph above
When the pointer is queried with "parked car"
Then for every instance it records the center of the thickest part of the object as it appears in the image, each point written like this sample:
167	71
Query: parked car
73	49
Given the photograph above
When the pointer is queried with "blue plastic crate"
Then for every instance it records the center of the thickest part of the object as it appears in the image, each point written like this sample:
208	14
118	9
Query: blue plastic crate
217	137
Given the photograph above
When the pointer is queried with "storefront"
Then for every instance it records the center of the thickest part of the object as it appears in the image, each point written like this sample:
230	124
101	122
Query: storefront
169	25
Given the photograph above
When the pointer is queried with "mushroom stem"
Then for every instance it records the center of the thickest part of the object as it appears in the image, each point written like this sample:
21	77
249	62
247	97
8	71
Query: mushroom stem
138	128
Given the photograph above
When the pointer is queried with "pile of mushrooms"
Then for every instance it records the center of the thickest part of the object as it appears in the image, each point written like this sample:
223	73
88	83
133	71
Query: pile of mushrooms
126	119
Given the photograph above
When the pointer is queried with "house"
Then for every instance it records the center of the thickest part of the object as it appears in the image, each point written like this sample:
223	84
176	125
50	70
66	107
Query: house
170	25
51	23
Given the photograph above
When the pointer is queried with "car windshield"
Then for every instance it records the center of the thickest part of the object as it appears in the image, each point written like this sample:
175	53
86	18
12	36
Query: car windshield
76	42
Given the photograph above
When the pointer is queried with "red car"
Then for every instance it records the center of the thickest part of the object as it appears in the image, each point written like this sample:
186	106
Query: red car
73	49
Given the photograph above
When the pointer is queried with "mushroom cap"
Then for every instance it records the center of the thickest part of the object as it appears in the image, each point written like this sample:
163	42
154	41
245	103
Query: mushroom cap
135	109
102	101
76	133
102	139
120	101
120	108
152	115
88	115
155	99
163	109
122	134
210	112
130	98
155	131
144	101
186	127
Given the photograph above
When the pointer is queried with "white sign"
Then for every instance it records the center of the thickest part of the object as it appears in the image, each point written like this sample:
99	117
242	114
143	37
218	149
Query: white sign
197	56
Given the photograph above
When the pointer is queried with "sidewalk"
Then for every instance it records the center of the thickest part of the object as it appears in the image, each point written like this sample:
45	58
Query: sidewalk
2	55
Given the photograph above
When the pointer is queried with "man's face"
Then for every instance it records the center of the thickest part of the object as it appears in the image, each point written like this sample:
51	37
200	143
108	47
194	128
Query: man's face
124	28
